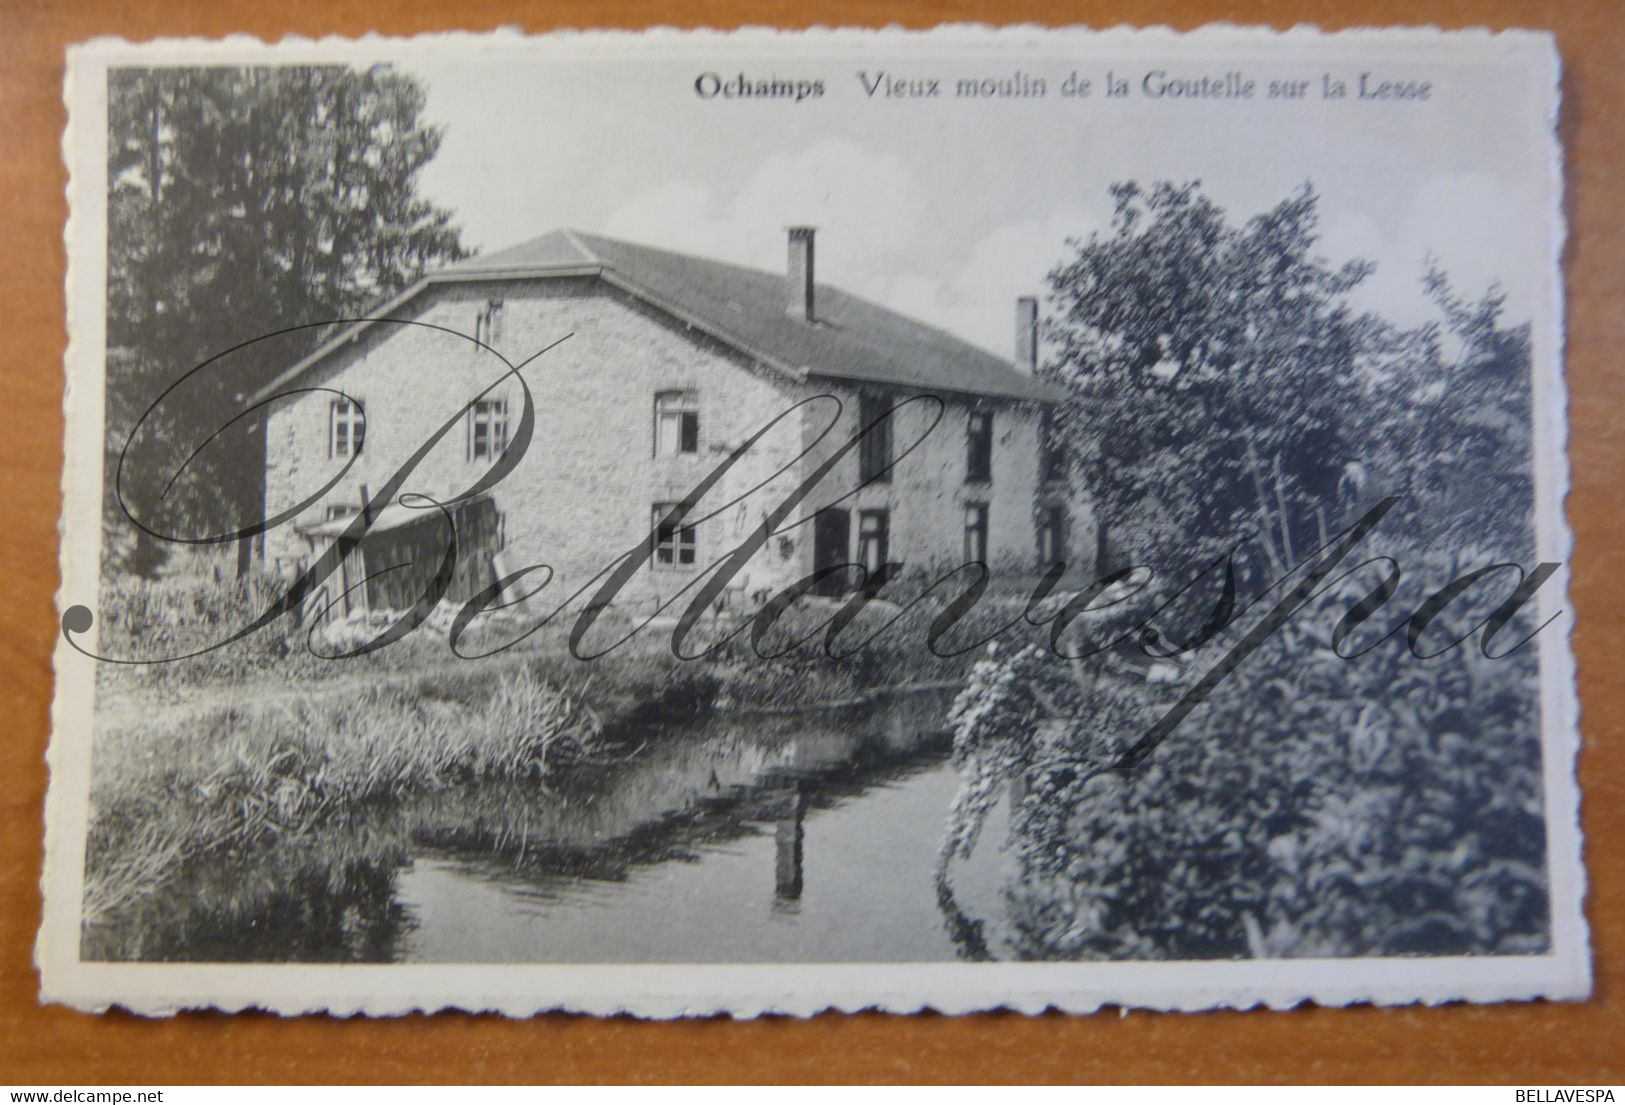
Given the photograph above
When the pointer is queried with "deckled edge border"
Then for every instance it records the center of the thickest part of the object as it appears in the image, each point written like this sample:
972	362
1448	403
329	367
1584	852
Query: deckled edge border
1559	687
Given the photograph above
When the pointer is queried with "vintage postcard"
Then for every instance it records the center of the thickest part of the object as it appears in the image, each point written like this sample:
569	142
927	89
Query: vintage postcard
673	523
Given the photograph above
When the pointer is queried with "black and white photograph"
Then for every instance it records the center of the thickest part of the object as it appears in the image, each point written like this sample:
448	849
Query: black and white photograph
688	523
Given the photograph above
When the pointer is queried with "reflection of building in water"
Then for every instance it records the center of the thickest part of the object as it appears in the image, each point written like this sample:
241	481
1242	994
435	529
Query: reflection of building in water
789	834
782	802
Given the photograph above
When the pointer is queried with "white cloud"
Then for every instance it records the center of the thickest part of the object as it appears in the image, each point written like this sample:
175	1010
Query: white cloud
950	222
874	234
867	202
1475	226
1470	222
976	297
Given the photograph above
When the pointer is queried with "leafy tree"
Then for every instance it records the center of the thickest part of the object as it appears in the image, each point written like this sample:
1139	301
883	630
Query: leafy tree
1447	424
1311	807
242	202
1220	356
1313	804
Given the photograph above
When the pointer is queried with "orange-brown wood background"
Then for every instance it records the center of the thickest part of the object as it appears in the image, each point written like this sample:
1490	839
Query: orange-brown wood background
1523	1044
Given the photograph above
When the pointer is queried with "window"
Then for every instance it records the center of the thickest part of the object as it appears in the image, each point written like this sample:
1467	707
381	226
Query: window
1052	458
487	429
336	511
677	423
1051	536
488	324
976	533
873	536
347	429
674	543
979	447
874	450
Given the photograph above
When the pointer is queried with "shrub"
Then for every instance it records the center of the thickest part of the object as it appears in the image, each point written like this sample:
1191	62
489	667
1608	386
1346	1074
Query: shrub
1310	806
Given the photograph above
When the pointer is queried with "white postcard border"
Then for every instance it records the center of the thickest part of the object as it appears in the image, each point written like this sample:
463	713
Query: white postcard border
663	991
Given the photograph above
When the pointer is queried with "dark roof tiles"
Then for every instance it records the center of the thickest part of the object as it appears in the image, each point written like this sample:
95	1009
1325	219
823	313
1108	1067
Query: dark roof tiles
850	339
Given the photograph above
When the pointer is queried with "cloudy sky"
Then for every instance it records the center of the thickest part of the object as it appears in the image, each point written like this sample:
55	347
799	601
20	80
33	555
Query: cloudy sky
948	209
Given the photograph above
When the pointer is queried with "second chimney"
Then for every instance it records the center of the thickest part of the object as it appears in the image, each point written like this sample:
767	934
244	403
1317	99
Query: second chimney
800	273
1027	335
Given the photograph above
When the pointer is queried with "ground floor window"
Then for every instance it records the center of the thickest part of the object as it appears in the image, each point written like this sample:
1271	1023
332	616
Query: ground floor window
976	533
1051	536
675	545
874	535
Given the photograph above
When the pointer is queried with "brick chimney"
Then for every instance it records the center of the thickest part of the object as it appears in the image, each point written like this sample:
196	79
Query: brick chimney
1027	335
799	276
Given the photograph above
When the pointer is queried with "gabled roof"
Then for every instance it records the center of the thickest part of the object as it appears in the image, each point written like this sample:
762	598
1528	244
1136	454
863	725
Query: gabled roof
851	340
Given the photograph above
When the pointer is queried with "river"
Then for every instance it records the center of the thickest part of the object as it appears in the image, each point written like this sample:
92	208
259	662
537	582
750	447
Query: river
808	835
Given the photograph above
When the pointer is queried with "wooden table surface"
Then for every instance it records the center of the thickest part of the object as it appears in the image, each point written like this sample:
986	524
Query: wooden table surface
1525	1044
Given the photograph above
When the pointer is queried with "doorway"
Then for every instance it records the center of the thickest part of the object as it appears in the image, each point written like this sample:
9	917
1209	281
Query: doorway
832	544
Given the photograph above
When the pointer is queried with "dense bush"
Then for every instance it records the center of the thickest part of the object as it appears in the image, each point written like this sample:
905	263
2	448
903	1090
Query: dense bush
157	625
149	620
1312	805
812	654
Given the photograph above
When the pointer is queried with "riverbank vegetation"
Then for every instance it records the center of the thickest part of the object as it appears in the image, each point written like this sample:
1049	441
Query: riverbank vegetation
1327	797
237	778
277	833
270	741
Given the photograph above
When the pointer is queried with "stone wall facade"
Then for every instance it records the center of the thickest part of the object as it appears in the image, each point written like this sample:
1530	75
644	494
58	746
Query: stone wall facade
584	492
929	490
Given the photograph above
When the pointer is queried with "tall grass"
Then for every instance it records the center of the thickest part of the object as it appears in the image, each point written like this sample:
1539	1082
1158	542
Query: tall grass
283	743
277	769
175	628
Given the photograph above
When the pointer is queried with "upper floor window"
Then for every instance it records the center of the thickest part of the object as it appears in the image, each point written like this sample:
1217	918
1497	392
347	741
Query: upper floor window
487	429
677	423
1052	456
347	428
675	544
488	323
979	447
874	450
335	511
976	533
1051	536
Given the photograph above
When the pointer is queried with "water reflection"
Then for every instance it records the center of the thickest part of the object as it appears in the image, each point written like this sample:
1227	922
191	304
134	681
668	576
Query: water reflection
790	835
307	898
804	836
